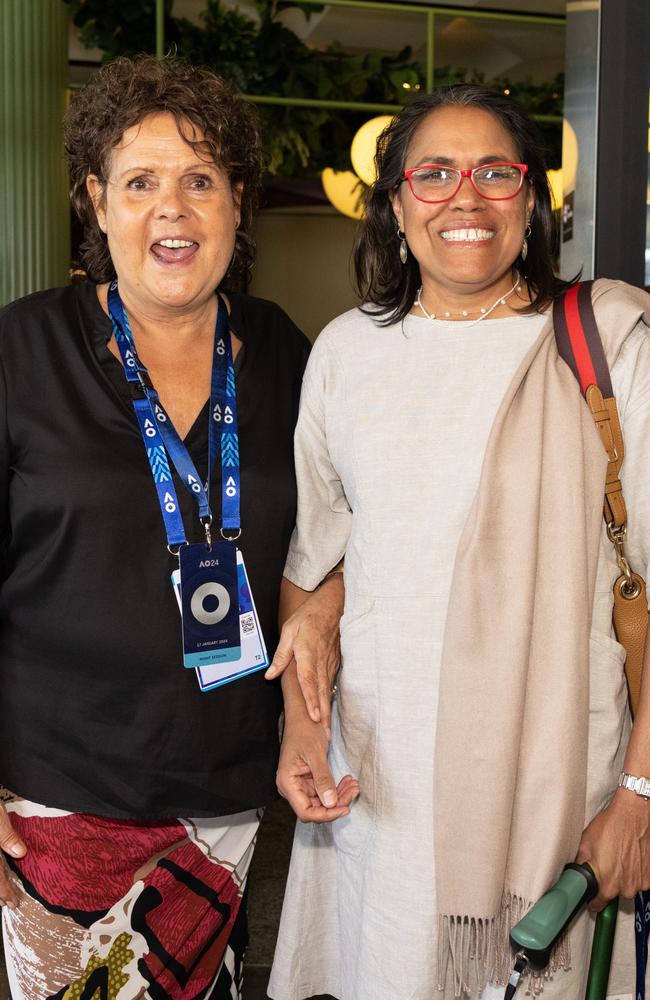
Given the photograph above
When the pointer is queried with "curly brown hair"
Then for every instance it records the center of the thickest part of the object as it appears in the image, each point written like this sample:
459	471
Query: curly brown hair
122	94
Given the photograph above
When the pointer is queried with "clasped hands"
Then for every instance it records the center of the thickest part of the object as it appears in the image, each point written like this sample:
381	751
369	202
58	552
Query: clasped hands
308	658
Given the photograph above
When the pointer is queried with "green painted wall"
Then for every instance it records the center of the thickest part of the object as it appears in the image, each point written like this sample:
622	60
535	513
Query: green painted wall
34	214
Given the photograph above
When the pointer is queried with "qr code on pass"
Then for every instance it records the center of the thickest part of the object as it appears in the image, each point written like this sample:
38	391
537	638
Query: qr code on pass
247	624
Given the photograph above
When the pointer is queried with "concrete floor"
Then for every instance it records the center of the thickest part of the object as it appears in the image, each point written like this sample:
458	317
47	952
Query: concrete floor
267	878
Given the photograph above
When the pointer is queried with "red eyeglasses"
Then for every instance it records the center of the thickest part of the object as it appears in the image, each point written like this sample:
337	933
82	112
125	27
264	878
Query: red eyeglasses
433	182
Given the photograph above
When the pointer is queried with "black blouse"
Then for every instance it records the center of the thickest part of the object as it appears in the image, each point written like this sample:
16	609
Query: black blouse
97	712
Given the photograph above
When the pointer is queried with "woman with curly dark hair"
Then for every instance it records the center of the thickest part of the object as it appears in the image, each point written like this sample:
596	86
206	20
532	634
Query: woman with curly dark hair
146	460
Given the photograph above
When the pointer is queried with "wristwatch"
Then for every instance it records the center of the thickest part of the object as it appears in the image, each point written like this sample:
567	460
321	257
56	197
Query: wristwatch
640	786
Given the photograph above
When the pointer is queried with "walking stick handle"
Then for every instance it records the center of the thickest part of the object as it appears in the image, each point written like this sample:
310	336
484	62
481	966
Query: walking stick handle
539	929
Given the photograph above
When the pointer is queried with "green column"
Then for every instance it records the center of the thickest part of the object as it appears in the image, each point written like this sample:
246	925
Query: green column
34	213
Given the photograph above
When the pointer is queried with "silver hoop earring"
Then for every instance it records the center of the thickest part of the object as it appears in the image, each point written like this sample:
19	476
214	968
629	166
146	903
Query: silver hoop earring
524	245
403	245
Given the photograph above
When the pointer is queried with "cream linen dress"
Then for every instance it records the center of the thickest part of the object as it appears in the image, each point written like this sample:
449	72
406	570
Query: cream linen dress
392	432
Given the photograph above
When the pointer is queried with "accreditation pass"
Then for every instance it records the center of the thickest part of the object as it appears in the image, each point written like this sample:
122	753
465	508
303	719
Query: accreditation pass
253	649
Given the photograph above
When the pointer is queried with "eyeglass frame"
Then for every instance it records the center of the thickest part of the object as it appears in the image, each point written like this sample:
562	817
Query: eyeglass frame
466	172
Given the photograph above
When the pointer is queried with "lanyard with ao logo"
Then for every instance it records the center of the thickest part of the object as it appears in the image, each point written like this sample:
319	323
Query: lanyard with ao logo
162	441
207	586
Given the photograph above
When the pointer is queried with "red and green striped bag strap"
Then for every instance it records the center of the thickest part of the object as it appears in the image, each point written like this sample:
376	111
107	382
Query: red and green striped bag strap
578	340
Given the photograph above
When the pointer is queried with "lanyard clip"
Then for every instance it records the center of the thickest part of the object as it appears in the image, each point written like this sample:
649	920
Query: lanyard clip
141	388
137	390
207	526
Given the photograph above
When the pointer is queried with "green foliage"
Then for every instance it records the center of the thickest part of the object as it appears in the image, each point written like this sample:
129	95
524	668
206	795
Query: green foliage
228	41
537	98
266	58
116	27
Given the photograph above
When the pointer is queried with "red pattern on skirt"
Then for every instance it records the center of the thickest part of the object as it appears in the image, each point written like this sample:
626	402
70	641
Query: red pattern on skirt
69	865
127	906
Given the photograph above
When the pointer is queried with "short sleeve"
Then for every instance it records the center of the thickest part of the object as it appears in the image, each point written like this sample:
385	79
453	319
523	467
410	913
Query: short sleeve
631	383
324	517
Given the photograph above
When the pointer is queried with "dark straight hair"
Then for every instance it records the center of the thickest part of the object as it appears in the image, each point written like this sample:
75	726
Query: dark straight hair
389	287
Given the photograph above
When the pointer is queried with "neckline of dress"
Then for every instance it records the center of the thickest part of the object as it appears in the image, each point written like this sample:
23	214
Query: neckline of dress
455	326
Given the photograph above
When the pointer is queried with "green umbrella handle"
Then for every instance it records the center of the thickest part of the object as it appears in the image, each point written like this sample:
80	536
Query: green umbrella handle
601	952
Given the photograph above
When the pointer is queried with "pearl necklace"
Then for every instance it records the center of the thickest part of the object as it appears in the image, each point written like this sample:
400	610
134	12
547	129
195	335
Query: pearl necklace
484	312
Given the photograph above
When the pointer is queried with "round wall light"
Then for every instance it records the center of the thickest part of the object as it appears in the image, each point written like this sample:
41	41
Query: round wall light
555	184
344	190
570	157
364	147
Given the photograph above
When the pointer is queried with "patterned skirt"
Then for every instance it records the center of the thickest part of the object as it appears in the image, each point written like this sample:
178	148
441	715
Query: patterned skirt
124	909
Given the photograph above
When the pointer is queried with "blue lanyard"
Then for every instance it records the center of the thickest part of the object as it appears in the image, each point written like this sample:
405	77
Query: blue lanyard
162	440
641	931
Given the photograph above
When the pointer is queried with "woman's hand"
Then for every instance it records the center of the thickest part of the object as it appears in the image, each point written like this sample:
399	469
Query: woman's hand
617	846
304	777
617	842
310	634
11	843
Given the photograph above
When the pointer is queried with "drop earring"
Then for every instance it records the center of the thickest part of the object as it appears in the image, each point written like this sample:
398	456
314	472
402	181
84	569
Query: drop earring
524	245
403	246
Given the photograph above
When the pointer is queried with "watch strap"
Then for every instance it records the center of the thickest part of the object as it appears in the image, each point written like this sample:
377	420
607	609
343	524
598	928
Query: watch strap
638	785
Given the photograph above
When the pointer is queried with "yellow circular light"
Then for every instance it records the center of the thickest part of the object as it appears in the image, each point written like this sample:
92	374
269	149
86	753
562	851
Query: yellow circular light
344	190
555	184
364	147
569	157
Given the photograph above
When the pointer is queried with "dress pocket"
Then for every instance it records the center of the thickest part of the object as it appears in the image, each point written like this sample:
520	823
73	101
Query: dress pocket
608	718
353	748
358	647
607	685
357	609
351	833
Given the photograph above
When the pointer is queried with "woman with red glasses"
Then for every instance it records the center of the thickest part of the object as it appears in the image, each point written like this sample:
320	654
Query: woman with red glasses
443	447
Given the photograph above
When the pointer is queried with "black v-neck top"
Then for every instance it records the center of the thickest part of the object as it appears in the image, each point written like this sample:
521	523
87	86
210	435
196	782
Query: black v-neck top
97	712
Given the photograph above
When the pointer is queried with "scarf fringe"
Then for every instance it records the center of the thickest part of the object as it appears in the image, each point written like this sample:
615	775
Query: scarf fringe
478	951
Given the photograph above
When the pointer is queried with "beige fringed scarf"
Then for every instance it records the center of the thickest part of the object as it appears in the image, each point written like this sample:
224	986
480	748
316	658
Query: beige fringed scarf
511	750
